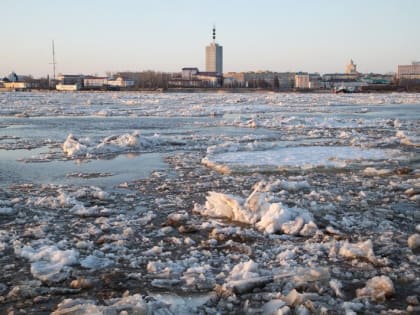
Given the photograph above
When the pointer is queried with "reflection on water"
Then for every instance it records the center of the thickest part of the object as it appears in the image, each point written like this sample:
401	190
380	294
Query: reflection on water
124	167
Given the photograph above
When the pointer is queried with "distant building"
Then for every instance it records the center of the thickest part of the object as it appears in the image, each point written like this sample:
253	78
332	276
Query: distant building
214	56
69	82
93	82
14	83
302	80
259	79
210	79
67	87
189	73
351	68
192	77
376	78
409	72
13	77
121	82
315	81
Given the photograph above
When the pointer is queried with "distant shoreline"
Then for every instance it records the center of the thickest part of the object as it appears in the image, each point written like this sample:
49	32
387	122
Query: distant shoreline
220	91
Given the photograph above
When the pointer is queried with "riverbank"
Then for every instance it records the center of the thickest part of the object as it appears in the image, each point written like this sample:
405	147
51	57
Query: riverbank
368	89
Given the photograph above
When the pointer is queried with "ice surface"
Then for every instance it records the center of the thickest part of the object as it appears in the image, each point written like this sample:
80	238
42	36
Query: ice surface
273	306
7	211
137	233
95	262
183	305
293	157
133	304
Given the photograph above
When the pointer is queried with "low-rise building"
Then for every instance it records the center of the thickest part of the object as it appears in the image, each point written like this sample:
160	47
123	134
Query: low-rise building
67	87
302	80
93	82
189	73
409	72
121	82
13	82
259	79
16	85
315	81
69	82
339	80
191	77
376	78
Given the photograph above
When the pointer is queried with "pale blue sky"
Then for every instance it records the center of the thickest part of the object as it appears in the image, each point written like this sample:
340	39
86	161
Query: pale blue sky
95	36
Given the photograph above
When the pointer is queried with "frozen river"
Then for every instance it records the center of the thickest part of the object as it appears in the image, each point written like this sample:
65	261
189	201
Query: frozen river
206	203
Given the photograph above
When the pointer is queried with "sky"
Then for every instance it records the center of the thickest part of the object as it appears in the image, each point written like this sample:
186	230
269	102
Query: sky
99	36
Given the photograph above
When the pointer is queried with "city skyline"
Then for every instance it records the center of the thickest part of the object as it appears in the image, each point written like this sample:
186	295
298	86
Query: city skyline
100	36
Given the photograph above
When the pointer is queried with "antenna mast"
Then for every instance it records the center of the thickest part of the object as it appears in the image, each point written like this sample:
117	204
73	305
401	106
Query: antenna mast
53	59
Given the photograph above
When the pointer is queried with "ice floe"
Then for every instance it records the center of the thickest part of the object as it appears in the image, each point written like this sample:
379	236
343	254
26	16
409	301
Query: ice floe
255	210
234	158
75	147
48	262
378	289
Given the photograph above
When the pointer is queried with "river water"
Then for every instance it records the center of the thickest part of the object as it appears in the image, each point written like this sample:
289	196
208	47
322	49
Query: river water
131	172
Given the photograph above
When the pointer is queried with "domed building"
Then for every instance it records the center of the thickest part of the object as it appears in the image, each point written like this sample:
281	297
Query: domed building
351	67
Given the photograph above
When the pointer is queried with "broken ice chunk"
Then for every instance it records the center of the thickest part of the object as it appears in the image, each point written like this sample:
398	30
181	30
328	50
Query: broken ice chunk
377	289
358	250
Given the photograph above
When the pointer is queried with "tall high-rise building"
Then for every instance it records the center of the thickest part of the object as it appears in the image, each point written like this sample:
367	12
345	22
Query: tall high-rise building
214	56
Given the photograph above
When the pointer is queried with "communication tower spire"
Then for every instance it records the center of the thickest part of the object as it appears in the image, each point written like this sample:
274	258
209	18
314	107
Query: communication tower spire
214	33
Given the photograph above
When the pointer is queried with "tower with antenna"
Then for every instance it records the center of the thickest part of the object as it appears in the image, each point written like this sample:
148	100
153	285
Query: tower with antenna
214	56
